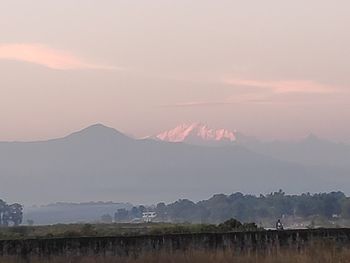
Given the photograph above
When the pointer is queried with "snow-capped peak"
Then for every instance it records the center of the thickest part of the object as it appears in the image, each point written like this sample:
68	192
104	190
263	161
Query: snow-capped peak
196	132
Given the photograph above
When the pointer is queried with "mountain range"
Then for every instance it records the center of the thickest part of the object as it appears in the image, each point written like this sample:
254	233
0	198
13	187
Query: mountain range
196	133
100	163
309	151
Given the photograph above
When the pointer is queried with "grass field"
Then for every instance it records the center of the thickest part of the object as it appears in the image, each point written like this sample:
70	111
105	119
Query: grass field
113	229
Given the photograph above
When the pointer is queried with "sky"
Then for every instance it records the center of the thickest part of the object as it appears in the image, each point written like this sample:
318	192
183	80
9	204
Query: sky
273	69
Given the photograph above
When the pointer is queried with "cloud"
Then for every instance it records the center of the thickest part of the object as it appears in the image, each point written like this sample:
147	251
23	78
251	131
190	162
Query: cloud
243	98
45	56
284	86
267	92
197	103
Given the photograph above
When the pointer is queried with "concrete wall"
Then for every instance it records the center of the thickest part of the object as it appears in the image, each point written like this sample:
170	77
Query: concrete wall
249	242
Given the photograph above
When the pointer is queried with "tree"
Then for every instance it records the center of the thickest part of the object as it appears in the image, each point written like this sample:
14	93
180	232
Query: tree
16	213
135	213
30	222
10	214
3	206
122	215
106	218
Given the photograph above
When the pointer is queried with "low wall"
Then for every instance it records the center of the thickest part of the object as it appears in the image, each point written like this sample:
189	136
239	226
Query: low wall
136	245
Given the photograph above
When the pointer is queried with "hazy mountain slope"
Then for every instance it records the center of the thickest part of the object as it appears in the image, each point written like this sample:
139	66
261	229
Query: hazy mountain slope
311	150
100	163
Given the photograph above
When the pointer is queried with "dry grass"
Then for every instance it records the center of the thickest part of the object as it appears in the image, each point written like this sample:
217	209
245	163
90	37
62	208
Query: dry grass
312	255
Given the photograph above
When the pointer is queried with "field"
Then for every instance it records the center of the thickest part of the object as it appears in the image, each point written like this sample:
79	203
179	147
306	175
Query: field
76	230
117	229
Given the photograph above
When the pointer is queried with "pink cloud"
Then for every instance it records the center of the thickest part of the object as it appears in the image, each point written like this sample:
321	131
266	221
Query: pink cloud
269	92
284	86
242	98
196	103
49	57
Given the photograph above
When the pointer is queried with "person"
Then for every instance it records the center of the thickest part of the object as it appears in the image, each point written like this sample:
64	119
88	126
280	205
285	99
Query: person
279	225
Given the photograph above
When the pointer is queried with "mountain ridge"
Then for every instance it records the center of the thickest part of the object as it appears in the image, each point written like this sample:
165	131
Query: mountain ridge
195	132
101	163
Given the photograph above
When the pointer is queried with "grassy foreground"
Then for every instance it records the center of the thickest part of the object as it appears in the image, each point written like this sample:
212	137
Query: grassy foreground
314	254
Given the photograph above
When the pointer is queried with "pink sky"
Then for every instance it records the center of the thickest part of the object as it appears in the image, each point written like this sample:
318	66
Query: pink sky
147	66
43	55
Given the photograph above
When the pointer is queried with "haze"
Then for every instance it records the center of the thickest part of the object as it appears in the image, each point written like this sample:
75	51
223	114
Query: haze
273	69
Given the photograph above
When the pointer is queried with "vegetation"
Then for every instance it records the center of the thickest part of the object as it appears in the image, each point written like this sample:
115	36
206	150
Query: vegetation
228	226
248	208
10	214
80	230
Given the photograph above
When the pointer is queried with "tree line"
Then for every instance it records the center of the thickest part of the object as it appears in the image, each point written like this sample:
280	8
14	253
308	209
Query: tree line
10	214
245	208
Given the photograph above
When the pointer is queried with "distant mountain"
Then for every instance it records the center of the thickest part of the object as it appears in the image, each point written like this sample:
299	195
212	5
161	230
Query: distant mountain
196	133
311	150
100	163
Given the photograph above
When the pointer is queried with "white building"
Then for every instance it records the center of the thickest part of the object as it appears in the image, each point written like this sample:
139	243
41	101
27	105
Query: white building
148	216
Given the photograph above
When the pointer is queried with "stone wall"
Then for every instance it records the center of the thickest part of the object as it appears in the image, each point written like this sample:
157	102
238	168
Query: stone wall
133	246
